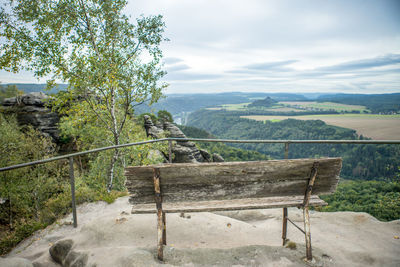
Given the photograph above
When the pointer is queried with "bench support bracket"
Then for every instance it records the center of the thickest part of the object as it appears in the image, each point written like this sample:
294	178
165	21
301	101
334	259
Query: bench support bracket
161	231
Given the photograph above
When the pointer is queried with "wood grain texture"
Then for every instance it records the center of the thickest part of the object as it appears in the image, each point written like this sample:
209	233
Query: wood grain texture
234	204
231	180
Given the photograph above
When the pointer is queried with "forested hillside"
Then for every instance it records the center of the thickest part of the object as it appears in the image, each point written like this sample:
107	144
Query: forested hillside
178	103
37	87
377	103
359	161
378	198
229	153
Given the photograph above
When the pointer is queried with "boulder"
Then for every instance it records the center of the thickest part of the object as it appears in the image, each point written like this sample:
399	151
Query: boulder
60	250
32	109
62	253
217	158
76	259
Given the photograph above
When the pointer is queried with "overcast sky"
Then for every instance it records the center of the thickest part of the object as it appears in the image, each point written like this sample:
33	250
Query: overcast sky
276	46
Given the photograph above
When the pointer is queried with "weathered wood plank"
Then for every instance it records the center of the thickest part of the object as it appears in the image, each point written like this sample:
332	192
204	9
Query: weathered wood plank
211	173
231	180
235	204
229	191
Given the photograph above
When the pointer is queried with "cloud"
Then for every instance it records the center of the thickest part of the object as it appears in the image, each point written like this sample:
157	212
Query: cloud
276	45
257	68
172	60
177	67
386	60
269	65
191	76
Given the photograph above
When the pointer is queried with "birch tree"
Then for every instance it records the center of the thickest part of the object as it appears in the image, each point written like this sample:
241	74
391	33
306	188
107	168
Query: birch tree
107	60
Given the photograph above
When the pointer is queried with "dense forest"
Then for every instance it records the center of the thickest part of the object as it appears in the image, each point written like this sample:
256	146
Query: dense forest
229	153
365	162
378	198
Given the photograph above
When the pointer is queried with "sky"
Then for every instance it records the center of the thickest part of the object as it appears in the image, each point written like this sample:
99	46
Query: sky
350	46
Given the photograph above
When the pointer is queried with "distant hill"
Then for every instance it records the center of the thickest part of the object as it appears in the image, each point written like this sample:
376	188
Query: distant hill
266	102
179	105
36	87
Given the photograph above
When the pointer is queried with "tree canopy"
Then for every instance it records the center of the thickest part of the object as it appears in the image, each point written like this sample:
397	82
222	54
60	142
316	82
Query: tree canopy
107	61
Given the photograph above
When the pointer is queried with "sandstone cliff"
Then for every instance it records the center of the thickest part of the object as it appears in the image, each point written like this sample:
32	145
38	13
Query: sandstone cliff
32	109
184	151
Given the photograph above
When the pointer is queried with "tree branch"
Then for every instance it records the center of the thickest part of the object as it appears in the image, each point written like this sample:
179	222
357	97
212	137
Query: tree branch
89	28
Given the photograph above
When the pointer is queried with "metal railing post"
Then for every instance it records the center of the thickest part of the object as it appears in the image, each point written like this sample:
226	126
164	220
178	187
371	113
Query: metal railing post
72	181
286	150
170	151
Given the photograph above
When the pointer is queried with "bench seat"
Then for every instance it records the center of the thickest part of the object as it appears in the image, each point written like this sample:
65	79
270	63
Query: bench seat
226	205
226	186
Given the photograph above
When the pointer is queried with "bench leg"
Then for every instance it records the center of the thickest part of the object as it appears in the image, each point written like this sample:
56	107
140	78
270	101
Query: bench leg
160	215
284	226
160	235
307	233
164	228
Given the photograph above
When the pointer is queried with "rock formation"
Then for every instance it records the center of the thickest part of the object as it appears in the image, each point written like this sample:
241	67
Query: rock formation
31	109
184	151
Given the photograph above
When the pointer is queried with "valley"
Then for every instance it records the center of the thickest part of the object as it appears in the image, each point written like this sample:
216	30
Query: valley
375	126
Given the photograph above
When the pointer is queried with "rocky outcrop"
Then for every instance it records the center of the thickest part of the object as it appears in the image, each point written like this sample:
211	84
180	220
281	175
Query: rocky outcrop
31	109
184	151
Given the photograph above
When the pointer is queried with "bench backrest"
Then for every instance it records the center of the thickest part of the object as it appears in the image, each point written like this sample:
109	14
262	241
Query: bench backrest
232	180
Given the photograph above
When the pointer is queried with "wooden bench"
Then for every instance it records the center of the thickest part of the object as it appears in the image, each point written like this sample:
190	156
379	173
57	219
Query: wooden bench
207	187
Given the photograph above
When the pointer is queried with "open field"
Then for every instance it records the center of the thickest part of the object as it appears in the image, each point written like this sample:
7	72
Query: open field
296	106
323	106
378	127
243	106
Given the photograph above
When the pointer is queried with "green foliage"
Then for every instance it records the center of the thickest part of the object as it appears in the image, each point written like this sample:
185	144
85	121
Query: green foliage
34	197
82	128
359	161
9	91
108	62
164	116
25	191
378	198
291	245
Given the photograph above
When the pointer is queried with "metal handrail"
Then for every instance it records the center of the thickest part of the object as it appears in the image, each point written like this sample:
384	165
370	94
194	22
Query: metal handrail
200	140
36	162
71	156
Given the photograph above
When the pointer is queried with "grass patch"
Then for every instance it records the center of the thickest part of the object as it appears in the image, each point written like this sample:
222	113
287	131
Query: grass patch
291	245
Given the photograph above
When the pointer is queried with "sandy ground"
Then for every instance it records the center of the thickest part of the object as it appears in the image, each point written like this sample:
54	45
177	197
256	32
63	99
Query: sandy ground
111	236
